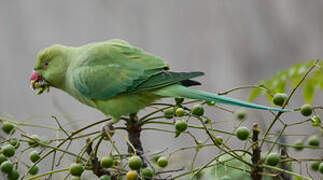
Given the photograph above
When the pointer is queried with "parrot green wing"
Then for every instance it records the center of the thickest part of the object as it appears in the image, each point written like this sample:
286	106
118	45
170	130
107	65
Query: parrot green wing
113	67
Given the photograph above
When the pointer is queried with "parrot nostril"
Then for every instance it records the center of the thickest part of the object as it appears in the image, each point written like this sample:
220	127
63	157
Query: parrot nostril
34	76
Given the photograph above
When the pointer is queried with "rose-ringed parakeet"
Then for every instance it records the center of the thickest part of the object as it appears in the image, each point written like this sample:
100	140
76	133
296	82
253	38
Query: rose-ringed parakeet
117	78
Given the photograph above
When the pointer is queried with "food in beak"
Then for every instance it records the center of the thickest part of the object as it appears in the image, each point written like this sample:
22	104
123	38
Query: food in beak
37	82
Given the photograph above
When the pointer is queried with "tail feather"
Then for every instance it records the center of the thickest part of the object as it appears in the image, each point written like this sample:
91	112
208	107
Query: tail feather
181	91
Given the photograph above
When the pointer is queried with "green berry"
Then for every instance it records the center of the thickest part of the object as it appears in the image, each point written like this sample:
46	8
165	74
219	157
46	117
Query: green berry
306	110
34	170
273	159
181	125
3	158
297	178
315	165
242	133
8	127
135	162
197	110
8	150
299	145
316	121
179	100
34	156
162	162
107	161
75	178
279	99
180	112
147	173
210	103
13	175
240	114
105	177
219	140
131	175
76	169
313	140
43	141
225	178
15	143
33	141
169	112
321	167
6	167
155	157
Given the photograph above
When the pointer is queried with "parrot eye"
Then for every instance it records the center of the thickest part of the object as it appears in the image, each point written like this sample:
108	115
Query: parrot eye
46	64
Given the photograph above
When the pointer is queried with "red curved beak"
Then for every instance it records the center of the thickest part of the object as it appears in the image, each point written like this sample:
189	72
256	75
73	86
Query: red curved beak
35	76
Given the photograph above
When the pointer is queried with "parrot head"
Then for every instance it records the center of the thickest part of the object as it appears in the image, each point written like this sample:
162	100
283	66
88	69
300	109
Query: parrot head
50	68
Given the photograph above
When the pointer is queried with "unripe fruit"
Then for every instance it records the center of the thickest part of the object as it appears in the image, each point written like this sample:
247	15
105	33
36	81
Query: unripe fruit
162	161
210	103
3	158
273	159
316	121
321	167
105	177
306	110
297	178
313	140
8	150
131	175
107	161
180	112
179	100
76	169
75	178
8	127
225	178
315	165
34	156
6	167
34	170
169	112
240	114
13	175
219	140
147	173
242	133
15	143
181	125
156	157
33	141
197	110
299	145
135	162
279	99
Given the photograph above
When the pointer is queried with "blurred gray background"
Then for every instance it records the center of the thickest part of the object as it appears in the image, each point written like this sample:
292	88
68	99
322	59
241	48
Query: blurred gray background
234	42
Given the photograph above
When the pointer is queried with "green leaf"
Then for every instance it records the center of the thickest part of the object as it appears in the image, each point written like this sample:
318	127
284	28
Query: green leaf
289	78
254	93
308	92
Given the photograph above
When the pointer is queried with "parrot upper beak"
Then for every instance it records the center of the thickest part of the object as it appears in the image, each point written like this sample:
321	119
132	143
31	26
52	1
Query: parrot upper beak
35	76
38	82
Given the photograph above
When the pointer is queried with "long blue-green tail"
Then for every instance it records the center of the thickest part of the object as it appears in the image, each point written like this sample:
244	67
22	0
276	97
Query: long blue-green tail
182	91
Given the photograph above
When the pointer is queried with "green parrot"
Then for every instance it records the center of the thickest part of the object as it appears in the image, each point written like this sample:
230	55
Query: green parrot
117	78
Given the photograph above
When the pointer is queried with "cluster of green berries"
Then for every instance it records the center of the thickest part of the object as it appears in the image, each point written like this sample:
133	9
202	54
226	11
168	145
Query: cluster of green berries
311	141
7	151
135	163
196	110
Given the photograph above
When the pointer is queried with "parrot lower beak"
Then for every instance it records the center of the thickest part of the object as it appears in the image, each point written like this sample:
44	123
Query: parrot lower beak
38	82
